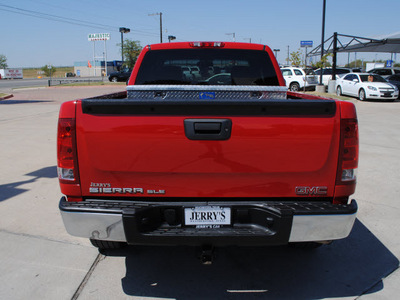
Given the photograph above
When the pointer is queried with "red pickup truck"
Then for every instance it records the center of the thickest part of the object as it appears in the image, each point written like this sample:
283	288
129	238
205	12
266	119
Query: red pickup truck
207	148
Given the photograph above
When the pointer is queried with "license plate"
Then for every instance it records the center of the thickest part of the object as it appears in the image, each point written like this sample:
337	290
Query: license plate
387	94
207	215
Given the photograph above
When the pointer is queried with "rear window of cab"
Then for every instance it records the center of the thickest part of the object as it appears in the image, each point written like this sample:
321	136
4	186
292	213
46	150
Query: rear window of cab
207	67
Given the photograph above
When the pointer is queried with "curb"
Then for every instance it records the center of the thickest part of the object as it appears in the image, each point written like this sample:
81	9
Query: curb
6	97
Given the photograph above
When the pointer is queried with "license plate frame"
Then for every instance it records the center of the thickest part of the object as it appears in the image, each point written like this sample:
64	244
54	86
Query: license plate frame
212	216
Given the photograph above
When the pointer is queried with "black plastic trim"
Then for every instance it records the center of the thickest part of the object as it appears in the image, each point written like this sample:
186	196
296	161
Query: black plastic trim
286	107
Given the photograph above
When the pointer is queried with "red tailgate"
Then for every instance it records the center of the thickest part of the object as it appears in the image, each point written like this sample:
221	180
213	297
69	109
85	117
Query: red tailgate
134	155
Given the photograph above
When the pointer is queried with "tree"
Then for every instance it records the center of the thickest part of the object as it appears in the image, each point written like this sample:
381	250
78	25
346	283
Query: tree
295	58
323	63
3	61
356	64
131	52
49	71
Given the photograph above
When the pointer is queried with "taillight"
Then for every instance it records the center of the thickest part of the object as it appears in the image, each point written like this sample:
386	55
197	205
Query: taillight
66	151
348	156
207	44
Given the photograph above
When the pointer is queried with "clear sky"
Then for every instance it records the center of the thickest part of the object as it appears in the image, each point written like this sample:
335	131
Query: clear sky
58	35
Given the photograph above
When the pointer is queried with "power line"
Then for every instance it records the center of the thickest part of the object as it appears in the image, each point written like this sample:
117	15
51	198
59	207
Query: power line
96	15
41	15
72	21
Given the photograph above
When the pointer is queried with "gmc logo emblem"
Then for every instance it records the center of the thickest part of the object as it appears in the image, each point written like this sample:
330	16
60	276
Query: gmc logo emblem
311	190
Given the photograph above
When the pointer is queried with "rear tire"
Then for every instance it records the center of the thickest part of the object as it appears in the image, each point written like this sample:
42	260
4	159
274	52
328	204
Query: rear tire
339	91
361	95
294	87
114	79
105	245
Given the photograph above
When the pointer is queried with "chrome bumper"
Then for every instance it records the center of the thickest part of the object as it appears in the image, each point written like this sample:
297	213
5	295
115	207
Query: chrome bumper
109	226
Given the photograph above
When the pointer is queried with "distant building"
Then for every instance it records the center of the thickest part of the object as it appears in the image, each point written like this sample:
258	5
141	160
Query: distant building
92	68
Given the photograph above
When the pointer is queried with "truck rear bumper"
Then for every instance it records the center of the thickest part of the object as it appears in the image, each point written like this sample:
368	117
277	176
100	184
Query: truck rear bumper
253	222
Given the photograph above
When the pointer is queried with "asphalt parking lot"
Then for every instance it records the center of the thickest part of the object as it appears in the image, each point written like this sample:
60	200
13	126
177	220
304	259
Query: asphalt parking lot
39	260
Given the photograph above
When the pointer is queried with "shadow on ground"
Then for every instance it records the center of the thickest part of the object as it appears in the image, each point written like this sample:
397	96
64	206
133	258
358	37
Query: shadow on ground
346	268
10	190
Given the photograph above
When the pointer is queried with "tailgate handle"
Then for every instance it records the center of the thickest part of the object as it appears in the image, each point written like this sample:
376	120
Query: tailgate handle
208	129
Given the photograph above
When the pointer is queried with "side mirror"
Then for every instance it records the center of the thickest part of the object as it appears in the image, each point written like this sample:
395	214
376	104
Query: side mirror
355	80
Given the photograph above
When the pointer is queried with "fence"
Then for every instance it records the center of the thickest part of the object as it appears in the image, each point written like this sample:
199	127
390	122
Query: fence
64	81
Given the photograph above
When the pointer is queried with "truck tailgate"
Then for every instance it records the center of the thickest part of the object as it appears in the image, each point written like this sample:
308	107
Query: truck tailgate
140	148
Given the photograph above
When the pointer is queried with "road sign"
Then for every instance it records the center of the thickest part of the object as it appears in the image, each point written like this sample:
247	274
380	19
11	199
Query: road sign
389	63
306	44
99	37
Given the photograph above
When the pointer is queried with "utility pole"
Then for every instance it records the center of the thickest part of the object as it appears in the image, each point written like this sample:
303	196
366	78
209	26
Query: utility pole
233	36
159	14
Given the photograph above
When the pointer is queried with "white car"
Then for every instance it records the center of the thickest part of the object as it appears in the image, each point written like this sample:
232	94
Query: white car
327	74
297	78
366	86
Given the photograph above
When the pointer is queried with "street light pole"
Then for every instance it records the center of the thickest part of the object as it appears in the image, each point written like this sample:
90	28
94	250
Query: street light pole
288	54
322	39
159	14
123	30
276	53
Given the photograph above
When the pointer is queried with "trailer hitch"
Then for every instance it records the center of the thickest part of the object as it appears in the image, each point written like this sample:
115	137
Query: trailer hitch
207	254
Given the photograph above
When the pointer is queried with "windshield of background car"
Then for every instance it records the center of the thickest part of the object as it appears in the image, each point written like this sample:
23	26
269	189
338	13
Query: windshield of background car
342	71
309	71
207	67
376	78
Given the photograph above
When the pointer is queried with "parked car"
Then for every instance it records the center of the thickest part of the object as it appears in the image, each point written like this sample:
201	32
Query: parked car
297	78
395	80
385	71
70	74
327	74
122	75
366	86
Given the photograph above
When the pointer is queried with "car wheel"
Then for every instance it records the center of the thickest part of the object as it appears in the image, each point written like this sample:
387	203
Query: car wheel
294	87
339	91
114	79
361	95
104	245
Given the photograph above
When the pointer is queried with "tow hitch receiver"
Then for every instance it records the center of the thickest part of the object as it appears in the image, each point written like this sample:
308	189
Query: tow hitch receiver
207	254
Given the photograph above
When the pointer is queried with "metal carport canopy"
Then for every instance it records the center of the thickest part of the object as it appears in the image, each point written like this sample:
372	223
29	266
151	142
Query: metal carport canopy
388	43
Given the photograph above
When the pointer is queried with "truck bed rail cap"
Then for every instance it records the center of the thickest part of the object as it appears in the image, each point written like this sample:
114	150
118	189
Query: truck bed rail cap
201	88
214	92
